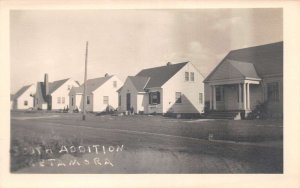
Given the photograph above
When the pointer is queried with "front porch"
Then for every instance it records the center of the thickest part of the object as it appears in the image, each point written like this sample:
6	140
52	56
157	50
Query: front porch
231	95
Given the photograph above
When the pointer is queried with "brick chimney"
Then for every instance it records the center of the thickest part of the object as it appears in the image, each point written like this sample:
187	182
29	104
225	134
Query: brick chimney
46	84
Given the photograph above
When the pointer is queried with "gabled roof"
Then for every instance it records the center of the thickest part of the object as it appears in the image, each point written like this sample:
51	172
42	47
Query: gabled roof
266	59
160	75
92	84
139	82
56	84
246	69
53	86
21	91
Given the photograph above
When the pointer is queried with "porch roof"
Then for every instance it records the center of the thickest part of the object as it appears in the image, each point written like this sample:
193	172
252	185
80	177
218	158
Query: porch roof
139	82
232	71
246	69
253	62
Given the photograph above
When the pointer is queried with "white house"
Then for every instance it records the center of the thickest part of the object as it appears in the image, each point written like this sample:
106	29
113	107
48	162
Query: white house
23	99
170	89
246	78
101	93
54	95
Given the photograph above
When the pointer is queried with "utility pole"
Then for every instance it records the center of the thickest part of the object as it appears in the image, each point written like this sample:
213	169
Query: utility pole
84	83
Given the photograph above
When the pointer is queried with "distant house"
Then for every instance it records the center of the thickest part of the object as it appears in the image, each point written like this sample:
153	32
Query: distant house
101	94
173	88
23	99
247	77
54	95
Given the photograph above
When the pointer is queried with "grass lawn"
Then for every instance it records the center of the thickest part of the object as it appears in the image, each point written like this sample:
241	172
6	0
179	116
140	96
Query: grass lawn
152	144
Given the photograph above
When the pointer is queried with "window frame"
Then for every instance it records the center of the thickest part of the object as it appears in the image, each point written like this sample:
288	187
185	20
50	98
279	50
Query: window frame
157	100
200	98
58	100
275	95
88	100
192	78
178	100
104	100
186	76
115	84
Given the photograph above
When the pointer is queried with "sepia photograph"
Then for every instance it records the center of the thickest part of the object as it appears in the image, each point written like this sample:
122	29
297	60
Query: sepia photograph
166	91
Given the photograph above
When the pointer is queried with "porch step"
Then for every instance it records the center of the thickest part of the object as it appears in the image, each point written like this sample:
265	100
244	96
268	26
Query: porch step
222	115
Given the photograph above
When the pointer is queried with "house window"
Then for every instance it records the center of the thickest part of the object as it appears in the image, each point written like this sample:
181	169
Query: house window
58	100
72	101
178	97
115	83
87	99
201	98
25	103
273	92
105	100
69	87
192	76
63	100
219	93
120	100
154	97
186	76
37	101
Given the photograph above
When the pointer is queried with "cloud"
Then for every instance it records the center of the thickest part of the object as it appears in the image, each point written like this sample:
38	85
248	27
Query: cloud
201	56
225	23
198	52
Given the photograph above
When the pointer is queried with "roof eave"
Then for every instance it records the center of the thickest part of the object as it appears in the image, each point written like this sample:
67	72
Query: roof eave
214	70
174	75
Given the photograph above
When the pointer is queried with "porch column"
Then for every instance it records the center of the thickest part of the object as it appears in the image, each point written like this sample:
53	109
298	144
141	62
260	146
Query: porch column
244	97
211	98
240	96
248	97
214	98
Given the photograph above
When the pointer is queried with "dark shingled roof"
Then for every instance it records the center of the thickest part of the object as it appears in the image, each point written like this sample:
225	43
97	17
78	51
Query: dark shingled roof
52	87
160	75
56	84
91	84
139	82
267	60
21	91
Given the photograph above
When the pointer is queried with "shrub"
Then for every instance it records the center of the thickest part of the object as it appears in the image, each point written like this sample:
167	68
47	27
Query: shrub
260	111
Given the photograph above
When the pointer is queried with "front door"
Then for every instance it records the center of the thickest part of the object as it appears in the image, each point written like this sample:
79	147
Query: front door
231	97
128	102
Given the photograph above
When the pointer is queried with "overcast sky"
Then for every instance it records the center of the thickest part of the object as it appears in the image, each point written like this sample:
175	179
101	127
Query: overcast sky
122	42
